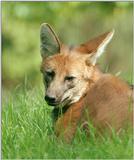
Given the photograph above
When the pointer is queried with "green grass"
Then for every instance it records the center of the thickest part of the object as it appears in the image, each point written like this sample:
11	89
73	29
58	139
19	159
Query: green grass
27	133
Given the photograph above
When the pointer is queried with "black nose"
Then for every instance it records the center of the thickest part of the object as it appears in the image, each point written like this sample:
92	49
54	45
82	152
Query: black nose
50	100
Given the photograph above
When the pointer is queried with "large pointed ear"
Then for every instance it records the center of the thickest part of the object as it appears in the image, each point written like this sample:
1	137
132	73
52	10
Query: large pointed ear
50	43
96	46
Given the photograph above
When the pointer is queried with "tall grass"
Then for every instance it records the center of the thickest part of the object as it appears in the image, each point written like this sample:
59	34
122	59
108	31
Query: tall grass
27	133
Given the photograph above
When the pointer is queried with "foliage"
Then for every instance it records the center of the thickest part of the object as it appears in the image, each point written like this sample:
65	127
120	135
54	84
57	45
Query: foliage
74	22
27	133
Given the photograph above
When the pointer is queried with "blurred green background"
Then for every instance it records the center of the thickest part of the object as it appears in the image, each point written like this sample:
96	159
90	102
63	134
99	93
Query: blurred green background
75	23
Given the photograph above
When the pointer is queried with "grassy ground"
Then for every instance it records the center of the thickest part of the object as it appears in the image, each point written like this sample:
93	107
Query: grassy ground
27	133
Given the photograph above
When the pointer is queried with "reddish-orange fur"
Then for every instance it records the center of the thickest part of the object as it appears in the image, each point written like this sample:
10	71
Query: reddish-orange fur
107	105
106	101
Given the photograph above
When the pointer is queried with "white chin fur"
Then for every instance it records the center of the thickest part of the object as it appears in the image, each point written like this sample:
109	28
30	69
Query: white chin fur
75	99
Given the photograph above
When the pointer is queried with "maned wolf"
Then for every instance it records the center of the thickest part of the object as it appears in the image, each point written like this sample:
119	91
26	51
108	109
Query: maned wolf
78	90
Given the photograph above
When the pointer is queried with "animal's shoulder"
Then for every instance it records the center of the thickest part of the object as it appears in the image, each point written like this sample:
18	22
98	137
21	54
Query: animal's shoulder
109	86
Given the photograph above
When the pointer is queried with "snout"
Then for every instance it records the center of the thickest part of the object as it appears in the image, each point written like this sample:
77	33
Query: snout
51	100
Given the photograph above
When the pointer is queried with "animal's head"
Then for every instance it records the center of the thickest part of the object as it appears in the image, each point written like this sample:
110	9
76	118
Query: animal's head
68	72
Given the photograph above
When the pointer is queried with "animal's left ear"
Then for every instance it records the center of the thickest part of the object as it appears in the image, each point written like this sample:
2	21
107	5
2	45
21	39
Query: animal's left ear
95	47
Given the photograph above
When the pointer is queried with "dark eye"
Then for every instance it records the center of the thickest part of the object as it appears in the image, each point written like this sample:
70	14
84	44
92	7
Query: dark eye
50	73
69	78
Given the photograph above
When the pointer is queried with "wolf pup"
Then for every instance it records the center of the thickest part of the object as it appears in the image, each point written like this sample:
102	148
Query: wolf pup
74	84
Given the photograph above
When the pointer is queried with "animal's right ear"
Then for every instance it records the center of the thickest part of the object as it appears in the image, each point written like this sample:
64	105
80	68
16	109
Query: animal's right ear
50	43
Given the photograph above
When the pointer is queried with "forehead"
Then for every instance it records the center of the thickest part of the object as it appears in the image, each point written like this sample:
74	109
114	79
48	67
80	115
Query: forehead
64	63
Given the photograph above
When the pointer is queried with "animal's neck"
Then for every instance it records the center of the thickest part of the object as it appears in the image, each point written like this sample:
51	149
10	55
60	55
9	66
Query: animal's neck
97	74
